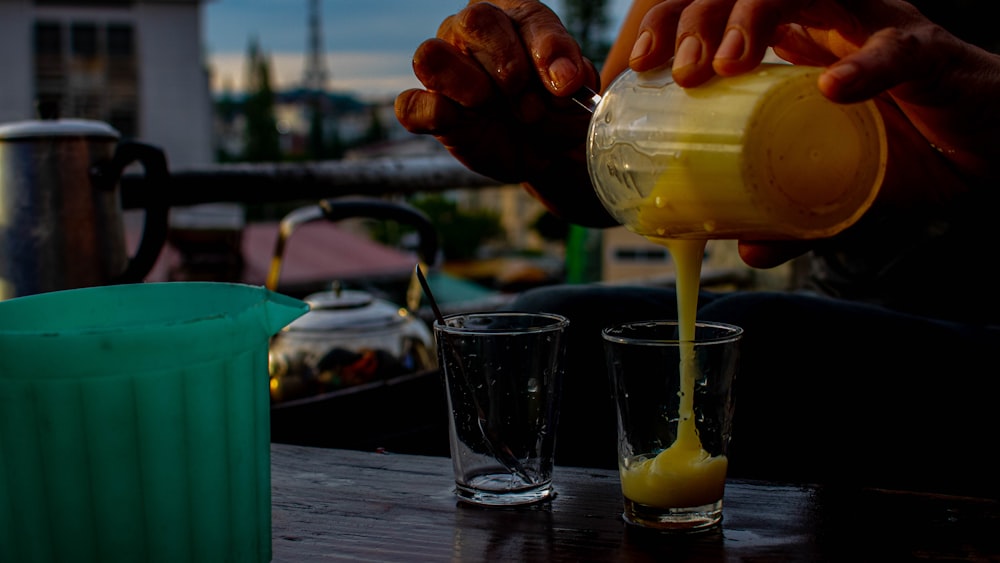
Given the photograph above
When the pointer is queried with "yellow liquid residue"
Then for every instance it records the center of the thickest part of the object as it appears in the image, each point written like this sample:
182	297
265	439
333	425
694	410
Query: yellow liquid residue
760	156
684	474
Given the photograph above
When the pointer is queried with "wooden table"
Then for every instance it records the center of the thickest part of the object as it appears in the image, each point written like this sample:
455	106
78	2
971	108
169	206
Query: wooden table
331	504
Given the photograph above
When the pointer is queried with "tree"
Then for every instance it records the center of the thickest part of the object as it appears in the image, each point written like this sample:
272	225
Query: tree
227	109
460	233
318	148
587	21
377	130
262	138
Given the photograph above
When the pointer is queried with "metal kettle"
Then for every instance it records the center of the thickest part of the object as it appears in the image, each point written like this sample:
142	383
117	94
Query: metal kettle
61	221
349	337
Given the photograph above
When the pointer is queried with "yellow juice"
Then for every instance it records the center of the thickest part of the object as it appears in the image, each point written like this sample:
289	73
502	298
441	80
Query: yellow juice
684	474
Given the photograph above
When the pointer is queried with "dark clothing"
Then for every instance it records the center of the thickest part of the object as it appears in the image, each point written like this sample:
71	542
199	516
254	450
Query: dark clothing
882	372
935	262
828	390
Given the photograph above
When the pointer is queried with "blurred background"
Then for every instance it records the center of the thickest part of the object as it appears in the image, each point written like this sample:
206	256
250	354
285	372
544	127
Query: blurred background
264	107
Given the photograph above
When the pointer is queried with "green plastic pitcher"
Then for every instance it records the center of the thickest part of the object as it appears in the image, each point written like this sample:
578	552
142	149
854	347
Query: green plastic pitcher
134	423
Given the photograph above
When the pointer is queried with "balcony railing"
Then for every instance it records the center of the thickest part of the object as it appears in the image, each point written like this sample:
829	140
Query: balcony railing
312	181
279	182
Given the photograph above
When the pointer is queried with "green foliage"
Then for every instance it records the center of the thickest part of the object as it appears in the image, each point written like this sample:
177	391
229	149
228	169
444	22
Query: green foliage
262	137
318	149
377	131
460	233
587	21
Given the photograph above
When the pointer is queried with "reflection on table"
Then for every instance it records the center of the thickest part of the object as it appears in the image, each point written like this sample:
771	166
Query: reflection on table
331	504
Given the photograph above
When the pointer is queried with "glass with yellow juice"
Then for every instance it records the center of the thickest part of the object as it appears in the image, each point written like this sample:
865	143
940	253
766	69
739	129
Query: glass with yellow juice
675	406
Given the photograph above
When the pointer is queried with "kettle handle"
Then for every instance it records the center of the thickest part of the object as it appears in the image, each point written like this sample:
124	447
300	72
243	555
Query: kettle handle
336	209
154	232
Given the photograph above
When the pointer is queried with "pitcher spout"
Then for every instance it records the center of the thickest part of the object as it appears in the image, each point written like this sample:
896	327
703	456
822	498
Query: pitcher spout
280	310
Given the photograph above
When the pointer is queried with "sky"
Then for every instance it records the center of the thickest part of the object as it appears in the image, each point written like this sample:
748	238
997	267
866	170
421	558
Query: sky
368	44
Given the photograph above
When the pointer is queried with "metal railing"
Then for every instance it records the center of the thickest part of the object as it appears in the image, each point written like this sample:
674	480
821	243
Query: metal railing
280	182
254	183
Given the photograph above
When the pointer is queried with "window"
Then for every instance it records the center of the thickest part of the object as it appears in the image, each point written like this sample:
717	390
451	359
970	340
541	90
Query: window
120	40
48	38
83	39
77	3
125	120
88	69
645	255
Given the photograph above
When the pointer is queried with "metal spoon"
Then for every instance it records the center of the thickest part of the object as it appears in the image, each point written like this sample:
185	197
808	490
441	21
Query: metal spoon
490	438
587	98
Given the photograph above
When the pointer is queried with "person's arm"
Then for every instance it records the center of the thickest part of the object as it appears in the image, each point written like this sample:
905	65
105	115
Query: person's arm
621	50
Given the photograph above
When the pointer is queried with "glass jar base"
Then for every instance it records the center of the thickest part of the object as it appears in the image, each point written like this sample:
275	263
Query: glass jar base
479	493
689	519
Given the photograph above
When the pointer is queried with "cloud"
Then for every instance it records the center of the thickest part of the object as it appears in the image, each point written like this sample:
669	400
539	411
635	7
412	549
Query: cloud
369	44
368	74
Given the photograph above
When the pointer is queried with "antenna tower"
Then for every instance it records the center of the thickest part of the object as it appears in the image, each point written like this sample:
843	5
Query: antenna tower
316	75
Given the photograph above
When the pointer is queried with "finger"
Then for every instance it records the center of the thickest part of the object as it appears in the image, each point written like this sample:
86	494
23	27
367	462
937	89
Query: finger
797	46
770	254
442	68
464	133
556	54
699	33
748	32
755	25
889	58
489	36
657	35
421	112
517	42
736	40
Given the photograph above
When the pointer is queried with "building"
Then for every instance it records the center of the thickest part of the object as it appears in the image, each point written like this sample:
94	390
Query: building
134	64
630	258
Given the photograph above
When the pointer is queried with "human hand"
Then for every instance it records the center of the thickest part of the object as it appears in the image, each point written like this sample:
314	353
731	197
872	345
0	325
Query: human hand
936	93
497	80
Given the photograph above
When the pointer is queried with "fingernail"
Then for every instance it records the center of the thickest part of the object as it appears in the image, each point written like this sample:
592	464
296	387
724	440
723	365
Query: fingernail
843	72
642	45
688	52
561	72
733	45
838	80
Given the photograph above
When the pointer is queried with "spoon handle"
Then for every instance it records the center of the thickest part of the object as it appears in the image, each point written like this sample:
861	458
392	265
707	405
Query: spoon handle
491	439
430	296
587	98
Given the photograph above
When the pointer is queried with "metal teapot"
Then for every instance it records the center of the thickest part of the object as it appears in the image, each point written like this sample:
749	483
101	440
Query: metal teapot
349	337
62	222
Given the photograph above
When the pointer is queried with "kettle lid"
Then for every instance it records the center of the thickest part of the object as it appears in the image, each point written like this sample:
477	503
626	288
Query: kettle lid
347	309
45	128
338	299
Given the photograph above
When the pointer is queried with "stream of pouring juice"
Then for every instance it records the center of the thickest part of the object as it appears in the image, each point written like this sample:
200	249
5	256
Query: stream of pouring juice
760	156
684	474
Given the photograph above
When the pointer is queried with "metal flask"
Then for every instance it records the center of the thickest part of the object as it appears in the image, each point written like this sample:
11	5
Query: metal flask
61	221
